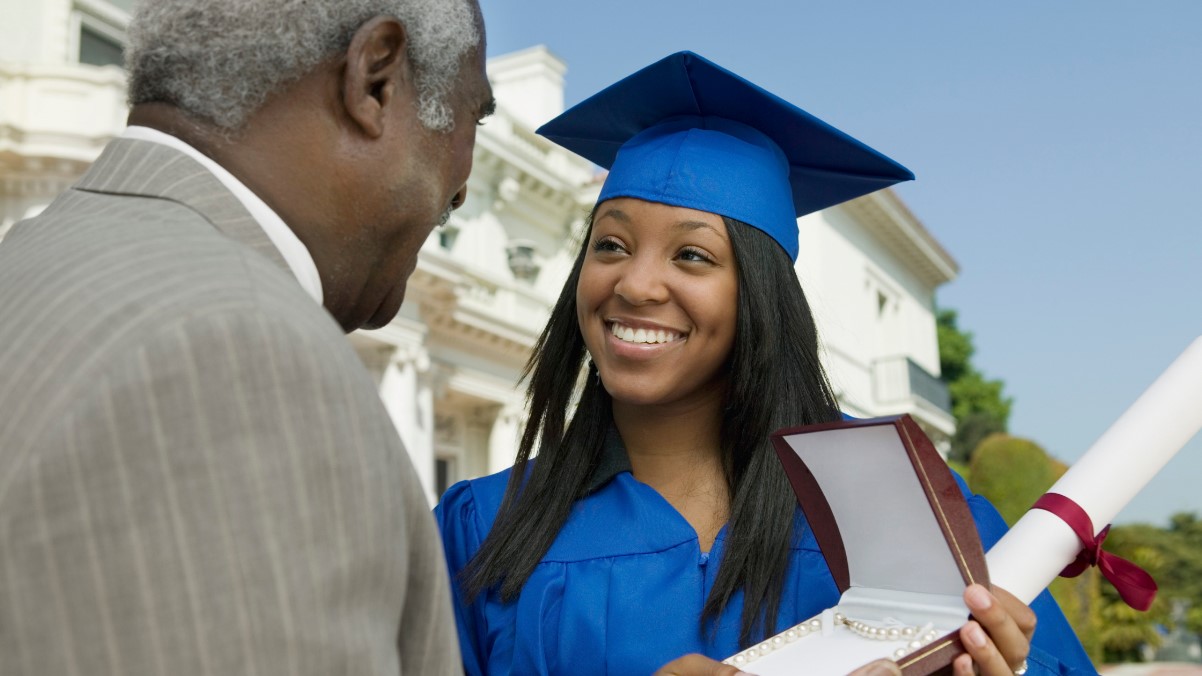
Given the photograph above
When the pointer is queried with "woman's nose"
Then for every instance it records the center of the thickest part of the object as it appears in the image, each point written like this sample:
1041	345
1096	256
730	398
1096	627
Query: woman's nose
642	282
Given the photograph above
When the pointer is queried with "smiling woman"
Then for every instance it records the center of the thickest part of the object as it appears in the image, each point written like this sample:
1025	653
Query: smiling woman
655	520
653	271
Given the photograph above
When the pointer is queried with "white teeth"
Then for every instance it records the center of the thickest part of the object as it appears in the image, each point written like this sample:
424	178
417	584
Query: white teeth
652	336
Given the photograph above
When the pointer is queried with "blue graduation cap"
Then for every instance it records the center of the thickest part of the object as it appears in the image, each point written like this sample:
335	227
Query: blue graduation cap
686	132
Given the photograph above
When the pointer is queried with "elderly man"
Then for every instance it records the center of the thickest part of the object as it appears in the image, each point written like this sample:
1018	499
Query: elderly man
196	475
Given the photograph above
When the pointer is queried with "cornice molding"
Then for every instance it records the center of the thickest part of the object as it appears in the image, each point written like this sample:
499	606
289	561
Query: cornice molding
59	112
115	16
889	219
511	142
454	304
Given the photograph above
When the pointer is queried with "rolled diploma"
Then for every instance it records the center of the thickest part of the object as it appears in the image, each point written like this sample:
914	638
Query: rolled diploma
1119	464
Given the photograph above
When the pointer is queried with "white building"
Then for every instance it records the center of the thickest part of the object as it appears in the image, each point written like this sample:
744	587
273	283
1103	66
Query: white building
61	99
448	365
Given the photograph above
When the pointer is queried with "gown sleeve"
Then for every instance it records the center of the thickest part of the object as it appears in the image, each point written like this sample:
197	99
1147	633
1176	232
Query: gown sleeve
1055	648
462	534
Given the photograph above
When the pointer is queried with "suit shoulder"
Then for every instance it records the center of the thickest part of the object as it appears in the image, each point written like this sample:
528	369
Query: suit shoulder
134	261
82	295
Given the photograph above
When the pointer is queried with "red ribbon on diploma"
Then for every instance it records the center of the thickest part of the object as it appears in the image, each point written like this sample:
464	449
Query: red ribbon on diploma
1133	583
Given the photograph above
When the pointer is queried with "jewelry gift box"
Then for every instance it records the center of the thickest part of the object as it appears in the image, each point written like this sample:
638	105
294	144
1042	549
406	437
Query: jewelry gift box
900	542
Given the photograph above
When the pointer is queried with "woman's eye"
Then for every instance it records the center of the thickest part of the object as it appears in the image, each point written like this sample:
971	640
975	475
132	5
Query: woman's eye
607	244
693	255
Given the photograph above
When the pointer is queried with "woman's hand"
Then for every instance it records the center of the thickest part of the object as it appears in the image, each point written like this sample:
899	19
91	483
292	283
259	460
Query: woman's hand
697	665
998	637
700	665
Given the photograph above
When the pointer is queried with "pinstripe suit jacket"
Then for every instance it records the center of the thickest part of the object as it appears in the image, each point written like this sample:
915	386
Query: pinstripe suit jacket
196	474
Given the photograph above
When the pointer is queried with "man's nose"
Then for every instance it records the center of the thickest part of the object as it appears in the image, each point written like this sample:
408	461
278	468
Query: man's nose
459	198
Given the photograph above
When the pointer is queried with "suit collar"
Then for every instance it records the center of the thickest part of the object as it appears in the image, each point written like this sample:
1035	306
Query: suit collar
146	169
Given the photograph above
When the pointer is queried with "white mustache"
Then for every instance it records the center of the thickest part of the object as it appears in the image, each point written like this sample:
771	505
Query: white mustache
446	216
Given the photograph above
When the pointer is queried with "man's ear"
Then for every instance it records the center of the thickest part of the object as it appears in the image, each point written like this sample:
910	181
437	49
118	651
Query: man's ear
377	71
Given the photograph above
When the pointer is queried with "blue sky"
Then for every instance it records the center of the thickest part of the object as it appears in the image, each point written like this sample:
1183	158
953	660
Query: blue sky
1058	149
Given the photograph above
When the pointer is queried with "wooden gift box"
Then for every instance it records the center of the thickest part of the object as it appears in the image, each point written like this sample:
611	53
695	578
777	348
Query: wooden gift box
900	542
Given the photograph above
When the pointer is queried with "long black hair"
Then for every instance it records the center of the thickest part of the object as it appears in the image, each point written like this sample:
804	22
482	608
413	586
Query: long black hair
775	380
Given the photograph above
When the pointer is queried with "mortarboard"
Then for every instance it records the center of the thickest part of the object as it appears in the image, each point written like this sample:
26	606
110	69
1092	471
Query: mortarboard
686	132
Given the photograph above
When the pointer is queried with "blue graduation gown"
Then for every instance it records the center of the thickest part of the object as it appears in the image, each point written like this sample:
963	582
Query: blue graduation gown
621	589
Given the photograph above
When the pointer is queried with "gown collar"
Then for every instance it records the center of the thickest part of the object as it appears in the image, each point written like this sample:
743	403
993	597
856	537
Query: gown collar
612	461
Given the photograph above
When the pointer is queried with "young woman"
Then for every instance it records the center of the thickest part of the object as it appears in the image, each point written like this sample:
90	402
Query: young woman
655	519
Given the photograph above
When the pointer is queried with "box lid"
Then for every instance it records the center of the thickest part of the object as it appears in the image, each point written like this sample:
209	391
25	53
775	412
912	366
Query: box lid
883	505
890	520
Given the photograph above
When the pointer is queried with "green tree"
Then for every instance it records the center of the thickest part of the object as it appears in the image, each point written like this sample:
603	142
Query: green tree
971	431
1126	631
1182	576
1012	473
1173	556
978	403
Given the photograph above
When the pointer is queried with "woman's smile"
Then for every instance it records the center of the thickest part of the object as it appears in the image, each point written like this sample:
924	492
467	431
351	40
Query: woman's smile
656	301
641	340
629	334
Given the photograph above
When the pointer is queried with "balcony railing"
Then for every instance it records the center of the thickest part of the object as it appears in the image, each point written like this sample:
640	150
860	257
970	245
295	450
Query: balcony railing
899	379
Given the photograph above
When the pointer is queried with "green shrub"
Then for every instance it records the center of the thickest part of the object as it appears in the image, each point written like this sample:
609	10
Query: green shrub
1012	473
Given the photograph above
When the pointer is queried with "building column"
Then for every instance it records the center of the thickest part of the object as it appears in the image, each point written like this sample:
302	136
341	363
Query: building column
406	387
505	435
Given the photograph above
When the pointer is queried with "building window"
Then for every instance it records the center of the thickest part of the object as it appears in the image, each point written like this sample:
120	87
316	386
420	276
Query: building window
444	473
97	49
447	235
522	261
98	31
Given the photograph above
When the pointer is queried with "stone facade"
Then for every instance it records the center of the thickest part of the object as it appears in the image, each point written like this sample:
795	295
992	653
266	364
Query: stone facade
447	366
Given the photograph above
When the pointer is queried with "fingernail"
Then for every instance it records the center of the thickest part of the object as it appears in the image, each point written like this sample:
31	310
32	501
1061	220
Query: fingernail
975	636
978	598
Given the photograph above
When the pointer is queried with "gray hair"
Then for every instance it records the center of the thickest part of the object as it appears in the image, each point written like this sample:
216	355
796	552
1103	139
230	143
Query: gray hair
219	60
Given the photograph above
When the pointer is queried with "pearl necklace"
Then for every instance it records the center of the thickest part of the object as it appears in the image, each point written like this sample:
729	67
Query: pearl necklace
915	637
777	642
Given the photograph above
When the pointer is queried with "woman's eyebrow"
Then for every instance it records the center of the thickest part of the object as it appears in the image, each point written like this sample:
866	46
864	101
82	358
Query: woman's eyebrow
616	214
687	224
696	225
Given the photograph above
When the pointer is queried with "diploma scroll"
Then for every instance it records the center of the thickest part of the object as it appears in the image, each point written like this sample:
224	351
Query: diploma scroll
1119	464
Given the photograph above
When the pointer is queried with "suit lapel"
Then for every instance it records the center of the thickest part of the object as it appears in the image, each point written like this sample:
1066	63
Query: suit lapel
146	169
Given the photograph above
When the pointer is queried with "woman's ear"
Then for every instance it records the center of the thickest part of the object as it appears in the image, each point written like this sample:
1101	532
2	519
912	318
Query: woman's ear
377	72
